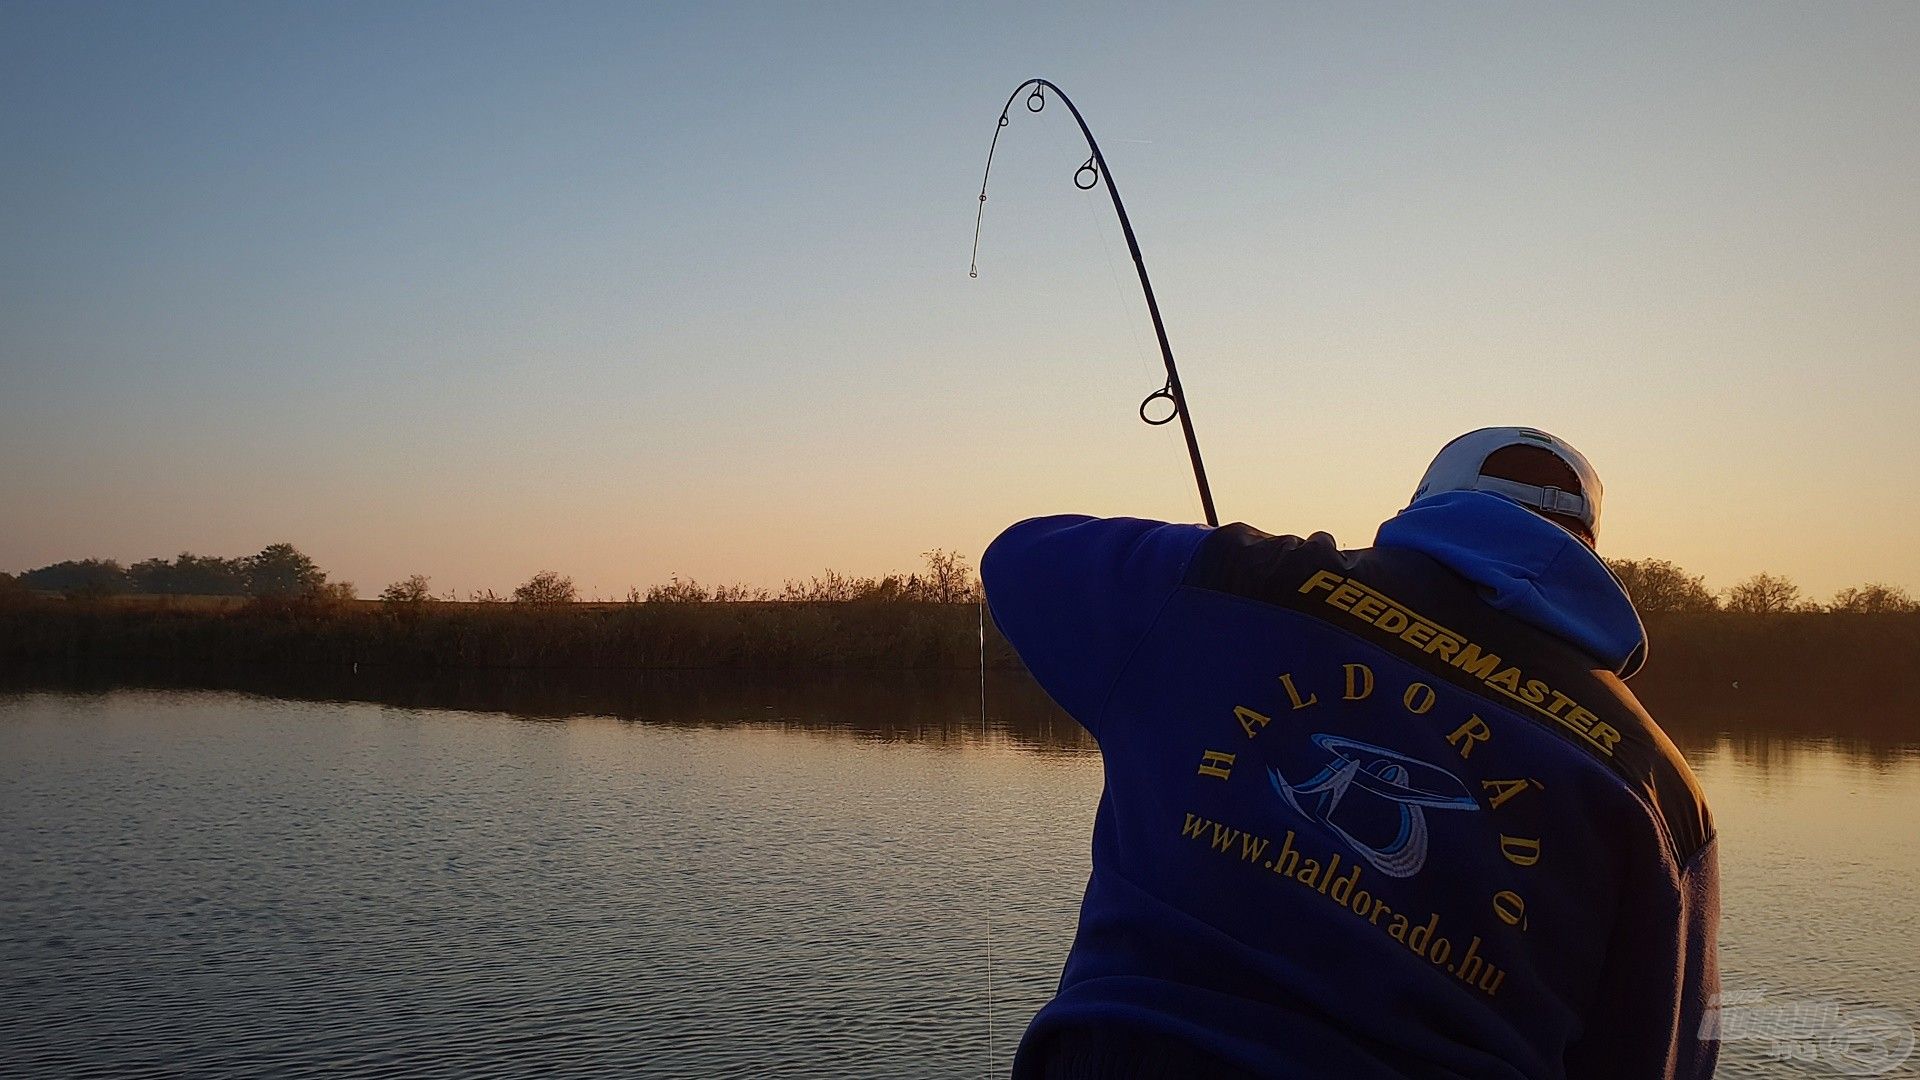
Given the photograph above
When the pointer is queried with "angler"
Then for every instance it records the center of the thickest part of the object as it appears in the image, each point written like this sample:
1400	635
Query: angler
1556	846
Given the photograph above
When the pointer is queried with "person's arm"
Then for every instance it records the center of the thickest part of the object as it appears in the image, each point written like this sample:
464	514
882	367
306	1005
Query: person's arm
1663	973
1074	595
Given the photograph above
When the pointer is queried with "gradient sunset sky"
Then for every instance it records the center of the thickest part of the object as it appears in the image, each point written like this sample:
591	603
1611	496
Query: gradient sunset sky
626	290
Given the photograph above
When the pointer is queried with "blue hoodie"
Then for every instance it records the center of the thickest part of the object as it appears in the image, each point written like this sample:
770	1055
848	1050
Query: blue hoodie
1376	813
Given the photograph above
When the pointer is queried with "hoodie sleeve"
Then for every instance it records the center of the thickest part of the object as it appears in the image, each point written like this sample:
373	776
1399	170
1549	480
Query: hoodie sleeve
1663	974
1074	595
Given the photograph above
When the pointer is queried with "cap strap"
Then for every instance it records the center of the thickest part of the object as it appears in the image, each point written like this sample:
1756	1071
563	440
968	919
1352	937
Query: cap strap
1549	498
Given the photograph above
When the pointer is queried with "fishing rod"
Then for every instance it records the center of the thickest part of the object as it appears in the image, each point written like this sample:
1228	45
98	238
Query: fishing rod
1095	171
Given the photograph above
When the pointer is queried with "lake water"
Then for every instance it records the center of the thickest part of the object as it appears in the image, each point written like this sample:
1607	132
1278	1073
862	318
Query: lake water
347	875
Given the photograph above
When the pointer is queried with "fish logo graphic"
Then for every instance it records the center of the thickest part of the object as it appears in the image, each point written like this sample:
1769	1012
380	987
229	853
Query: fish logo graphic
1376	800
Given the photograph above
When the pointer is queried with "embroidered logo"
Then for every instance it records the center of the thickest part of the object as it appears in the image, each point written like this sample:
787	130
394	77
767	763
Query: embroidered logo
1376	800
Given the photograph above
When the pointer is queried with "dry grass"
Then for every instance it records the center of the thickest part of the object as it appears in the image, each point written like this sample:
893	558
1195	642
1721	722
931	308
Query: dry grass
728	634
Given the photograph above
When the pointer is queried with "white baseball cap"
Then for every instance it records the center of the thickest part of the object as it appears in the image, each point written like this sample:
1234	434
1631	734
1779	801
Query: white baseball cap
1457	468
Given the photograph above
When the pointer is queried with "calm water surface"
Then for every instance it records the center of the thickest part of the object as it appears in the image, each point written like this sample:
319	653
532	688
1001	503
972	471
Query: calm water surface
701	878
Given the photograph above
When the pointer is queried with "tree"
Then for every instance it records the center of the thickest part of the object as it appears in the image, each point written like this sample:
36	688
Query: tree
948	580
209	575
546	587
283	570
412	590
1764	594
152	576
82	578
1874	599
190	575
1659	585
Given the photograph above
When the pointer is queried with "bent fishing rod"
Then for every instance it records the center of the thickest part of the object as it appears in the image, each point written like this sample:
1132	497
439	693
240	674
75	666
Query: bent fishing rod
1095	171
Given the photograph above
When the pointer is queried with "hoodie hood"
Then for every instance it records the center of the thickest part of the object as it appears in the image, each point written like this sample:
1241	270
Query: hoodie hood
1528	567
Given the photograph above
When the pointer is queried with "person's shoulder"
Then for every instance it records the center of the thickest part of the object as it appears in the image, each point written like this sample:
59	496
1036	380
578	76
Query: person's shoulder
1088	555
1647	758
1246	561
1043	523
1079	537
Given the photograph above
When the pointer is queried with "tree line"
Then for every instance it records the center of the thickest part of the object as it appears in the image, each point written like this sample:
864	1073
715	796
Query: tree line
282	571
1657	585
277	570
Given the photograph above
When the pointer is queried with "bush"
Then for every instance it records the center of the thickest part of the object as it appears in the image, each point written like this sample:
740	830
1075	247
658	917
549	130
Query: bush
675	592
411	590
834	588
337	592
546	587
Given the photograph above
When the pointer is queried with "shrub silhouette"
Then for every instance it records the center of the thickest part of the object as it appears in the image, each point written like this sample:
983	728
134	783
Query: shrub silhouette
546	587
411	590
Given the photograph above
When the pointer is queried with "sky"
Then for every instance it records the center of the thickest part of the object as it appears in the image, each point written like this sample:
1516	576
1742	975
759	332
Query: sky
625	291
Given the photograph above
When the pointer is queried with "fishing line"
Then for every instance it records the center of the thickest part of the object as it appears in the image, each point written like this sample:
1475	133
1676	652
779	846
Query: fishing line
1092	173
1128	317
981	606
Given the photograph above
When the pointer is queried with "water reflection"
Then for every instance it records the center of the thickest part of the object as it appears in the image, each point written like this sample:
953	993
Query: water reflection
339	873
218	884
1874	725
1869	722
937	708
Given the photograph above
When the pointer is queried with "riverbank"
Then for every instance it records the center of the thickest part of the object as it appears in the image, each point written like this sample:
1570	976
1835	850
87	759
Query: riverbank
892	635
1756	651
1803	675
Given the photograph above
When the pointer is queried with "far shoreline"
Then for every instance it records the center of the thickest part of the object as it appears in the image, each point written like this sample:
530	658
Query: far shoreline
1788	653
